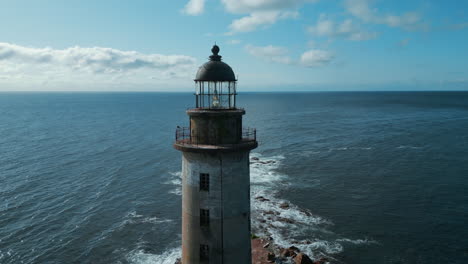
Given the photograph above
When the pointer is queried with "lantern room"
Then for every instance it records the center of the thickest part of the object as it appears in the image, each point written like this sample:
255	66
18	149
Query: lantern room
215	84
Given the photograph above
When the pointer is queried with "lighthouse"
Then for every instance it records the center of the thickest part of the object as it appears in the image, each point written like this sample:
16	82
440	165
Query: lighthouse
215	170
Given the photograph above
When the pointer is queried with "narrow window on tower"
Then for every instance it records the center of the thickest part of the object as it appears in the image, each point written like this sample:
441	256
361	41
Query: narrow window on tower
204	217
204	182
204	252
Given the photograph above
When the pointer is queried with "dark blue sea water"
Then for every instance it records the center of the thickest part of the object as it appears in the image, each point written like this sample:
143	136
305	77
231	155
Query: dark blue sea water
370	177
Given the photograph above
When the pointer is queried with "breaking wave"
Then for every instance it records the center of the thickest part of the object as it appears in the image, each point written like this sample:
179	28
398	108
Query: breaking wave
167	257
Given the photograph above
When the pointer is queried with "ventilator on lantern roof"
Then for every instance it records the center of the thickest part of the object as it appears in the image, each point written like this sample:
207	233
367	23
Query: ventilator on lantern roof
215	84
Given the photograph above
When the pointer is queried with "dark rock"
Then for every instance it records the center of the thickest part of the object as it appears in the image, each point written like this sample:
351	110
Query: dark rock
305	212
302	258
254	158
294	248
271	257
284	206
285	220
178	261
288	253
270	212
262	199
266	245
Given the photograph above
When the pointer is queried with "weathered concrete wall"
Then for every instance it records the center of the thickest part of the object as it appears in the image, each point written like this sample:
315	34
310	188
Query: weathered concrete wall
216	127
228	234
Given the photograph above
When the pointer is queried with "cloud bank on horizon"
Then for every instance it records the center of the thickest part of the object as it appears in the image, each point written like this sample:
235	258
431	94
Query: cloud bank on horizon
86	66
298	42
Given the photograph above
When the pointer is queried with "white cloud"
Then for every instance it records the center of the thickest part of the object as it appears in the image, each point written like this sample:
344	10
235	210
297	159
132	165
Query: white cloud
194	7
256	19
249	6
310	58
270	53
347	29
316	58
29	65
261	12
234	41
361	9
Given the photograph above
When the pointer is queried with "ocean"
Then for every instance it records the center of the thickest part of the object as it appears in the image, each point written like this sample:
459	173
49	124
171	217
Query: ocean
370	177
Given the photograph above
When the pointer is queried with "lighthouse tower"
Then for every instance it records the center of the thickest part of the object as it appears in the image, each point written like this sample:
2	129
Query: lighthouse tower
215	171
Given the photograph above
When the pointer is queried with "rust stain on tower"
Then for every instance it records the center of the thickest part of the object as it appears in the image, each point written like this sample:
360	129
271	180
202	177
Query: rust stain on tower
215	171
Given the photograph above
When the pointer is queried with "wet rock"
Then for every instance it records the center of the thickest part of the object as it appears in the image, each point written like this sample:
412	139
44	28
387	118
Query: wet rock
285	220
288	253
270	212
260	254
302	258
255	158
266	245
294	248
284	206
262	199
271	257
307	213
178	261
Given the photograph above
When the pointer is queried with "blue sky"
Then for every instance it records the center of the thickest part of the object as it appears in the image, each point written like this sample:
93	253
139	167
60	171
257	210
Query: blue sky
288	45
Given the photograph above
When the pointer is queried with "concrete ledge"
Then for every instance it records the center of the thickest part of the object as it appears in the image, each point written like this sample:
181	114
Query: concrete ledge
215	112
242	146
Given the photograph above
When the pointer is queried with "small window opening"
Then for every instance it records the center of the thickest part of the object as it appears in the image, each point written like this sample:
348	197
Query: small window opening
204	252
204	217
204	182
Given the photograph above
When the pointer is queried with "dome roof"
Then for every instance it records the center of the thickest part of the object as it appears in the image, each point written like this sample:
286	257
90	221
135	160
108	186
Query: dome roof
215	70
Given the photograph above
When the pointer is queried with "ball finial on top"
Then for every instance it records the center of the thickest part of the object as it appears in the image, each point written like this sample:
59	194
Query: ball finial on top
215	49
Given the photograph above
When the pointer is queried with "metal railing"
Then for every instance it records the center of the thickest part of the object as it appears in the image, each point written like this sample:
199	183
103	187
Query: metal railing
183	136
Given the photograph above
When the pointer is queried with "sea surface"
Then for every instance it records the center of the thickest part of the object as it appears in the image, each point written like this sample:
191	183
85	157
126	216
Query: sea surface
372	177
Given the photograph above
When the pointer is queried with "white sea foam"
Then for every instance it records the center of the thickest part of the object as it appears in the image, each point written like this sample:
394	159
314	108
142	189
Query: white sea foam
134	218
167	257
408	147
176	181
357	241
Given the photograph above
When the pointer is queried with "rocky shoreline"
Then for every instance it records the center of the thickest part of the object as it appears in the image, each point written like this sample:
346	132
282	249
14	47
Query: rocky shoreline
265	252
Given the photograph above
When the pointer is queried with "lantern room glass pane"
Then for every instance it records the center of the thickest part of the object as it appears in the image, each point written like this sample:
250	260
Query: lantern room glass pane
215	95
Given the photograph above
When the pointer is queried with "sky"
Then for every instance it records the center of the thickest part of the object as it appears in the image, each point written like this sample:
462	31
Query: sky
272	45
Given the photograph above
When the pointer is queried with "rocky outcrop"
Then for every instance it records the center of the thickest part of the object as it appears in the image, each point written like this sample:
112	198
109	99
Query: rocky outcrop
261	252
302	258
286	253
